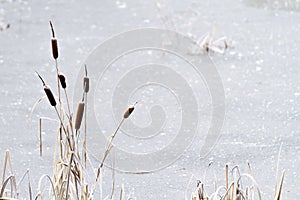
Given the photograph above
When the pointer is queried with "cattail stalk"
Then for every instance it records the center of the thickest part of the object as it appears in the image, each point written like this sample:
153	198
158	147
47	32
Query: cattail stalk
227	183
86	87
55	56
53	103
48	92
58	86
106	152
54	43
62	80
110	145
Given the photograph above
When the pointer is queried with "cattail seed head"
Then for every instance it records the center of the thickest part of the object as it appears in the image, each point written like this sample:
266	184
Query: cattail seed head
50	96
62	80
128	112
86	84
54	48
79	115
54	43
47	91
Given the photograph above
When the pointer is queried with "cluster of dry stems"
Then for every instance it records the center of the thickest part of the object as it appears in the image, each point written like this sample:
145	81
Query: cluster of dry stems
69	179
234	190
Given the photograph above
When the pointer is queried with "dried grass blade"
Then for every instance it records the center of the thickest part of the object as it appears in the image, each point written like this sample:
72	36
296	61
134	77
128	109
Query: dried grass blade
277	167
280	187
41	141
12	179
51	183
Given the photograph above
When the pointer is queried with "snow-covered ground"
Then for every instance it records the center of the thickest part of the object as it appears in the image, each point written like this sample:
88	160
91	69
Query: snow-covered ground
260	75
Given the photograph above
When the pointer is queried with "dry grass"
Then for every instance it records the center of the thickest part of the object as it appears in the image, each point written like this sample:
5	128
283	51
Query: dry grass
234	189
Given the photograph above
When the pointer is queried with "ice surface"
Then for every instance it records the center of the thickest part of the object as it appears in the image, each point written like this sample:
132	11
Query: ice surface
261	78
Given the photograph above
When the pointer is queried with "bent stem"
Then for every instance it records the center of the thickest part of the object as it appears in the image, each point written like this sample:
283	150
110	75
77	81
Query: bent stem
107	150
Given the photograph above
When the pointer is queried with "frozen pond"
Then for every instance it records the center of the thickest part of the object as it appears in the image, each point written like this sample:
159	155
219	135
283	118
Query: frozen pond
260	75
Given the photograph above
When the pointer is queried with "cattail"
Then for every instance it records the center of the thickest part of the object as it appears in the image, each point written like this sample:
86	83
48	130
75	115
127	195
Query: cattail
128	112
54	43
79	115
86	82
50	96
54	48
62	80
48	92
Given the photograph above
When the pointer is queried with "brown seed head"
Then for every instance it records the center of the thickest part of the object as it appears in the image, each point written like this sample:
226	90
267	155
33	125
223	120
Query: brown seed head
79	115
128	112
54	43
86	84
54	48
86	81
50	96
62	80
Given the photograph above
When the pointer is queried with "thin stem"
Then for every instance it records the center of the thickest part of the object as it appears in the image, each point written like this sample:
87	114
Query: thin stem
70	118
65	130
113	177
85	70
59	100
44	84
85	125
75	141
52	30
69	174
68	104
58	86
108	148
41	143
60	143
